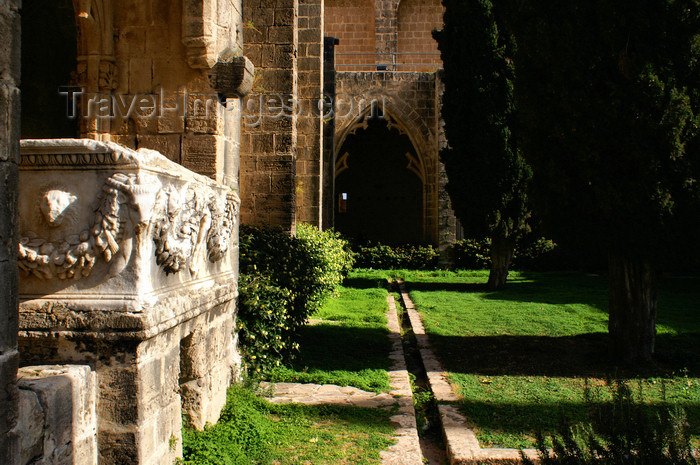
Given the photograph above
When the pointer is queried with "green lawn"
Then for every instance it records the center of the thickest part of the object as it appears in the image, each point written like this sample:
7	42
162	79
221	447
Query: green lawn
522	356
350	347
252	431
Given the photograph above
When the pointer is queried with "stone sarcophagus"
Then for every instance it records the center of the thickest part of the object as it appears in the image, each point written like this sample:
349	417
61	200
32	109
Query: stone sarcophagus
128	264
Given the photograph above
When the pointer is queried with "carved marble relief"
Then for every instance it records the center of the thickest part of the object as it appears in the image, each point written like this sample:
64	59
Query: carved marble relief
182	223
120	209
189	221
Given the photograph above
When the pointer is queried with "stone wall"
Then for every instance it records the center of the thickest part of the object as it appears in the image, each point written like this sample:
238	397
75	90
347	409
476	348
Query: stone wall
416	47
151	76
391	33
9	159
352	23
58	417
309	179
269	136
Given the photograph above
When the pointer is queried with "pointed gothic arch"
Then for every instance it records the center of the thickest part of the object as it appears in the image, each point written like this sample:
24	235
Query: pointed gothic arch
401	117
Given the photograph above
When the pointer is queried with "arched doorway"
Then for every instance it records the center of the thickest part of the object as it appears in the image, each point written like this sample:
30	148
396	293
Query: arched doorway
379	185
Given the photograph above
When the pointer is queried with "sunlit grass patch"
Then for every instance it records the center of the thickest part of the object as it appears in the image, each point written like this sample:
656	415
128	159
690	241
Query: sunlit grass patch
521	357
252	431
351	346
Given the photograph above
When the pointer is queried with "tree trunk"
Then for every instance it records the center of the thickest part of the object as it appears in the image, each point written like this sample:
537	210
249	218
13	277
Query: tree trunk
501	256
633	297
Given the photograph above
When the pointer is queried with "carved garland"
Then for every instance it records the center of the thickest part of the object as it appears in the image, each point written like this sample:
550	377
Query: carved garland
75	256
183	222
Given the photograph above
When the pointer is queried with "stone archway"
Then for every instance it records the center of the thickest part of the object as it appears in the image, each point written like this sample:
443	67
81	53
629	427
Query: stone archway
401	117
380	182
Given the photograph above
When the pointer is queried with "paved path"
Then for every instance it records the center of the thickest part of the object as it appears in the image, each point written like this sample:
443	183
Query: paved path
461	442
407	450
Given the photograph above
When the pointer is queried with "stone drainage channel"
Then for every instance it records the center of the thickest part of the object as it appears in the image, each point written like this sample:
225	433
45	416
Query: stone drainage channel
444	435
436	401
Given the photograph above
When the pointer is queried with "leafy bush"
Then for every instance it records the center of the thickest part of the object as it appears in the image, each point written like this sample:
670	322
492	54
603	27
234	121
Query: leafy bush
473	254
382	257
624	431
330	260
262	322
284	279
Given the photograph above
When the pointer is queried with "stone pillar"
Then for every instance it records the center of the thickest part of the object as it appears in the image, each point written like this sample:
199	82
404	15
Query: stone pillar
129	264
329	92
386	31
269	134
9	158
309	179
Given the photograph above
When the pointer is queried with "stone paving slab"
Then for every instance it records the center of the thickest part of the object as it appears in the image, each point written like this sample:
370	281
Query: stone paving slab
407	449
461	442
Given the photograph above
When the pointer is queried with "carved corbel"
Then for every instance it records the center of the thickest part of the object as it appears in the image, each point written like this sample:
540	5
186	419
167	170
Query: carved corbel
233	79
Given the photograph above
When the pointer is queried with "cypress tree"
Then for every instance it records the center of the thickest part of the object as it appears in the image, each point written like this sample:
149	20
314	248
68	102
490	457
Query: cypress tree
487	176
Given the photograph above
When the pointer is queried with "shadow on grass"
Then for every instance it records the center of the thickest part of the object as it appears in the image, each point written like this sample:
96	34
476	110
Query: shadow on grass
678	296
365	283
514	418
584	355
350	348
566	288
453	287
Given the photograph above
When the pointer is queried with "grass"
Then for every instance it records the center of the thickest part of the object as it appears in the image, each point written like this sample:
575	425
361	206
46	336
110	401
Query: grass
521	357
350	345
252	431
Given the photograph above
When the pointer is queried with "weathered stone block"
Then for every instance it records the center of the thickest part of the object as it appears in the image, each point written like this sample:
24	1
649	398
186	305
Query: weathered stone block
167	145
64	399
233	79
9	122
280	35
10	51
31	425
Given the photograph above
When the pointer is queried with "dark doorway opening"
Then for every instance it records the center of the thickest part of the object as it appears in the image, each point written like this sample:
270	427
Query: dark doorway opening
378	186
49	57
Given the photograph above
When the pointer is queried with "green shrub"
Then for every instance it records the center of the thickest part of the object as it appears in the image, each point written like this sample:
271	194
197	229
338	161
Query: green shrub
330	260
284	279
262	322
384	257
473	254
625	431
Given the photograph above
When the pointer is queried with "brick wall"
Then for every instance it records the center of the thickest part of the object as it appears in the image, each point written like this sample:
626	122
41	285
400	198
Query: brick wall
268	143
9	159
353	23
416	20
